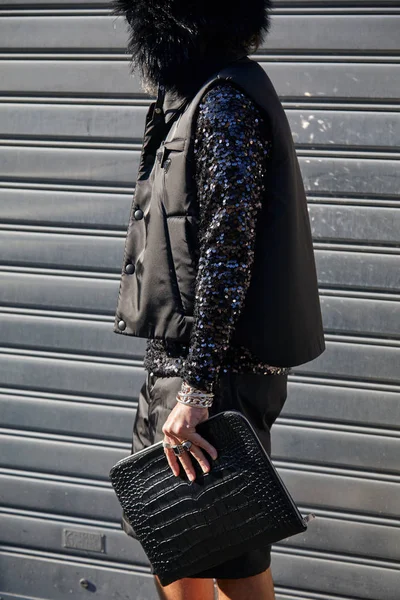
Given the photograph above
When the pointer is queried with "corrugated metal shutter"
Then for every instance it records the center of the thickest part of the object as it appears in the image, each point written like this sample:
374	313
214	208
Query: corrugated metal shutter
71	120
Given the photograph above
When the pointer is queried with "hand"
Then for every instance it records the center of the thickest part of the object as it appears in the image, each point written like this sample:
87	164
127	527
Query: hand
181	426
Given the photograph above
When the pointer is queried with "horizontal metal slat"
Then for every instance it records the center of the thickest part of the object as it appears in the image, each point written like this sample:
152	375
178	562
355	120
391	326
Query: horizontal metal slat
54	577
331	402
301	445
338	403
58	457
362	4
98	296
42	572
336	222
317	574
358	270
316	490
59	497
362	176
365	224
310	127
360	361
333	80
316	32
55	249
345	128
12	597
54	6
356	361
325	534
63	32
336	448
108	167
78	336
47	534
329	491
341	33
77	209
71	376
93	121
322	174
347	537
336	268
359	316
103	254
112	78
97	338
68	77
79	418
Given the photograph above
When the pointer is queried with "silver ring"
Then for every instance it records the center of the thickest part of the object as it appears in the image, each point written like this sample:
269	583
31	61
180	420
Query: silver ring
179	448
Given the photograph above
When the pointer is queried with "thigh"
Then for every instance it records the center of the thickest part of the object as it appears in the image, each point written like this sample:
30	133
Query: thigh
259	586
141	430
259	397
141	437
187	589
156	400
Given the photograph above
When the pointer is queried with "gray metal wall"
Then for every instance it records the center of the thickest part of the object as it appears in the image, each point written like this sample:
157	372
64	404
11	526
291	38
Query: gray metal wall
71	119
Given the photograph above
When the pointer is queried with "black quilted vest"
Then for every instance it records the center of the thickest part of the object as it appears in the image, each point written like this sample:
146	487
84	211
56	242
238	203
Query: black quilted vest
281	320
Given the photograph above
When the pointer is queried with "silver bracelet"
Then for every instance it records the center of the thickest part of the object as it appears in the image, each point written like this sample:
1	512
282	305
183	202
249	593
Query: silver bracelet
195	393
191	396
186	388
194	400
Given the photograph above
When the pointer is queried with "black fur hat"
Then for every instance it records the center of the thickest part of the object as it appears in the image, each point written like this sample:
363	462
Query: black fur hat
173	42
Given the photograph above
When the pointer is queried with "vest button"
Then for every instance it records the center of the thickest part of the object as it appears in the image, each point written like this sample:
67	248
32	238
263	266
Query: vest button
138	214
158	111
122	325
130	269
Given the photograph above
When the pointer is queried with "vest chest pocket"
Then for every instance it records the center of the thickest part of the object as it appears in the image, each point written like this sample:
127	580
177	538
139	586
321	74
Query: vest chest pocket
167	149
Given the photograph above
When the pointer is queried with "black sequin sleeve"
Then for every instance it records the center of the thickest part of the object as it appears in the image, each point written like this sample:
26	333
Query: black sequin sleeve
231	154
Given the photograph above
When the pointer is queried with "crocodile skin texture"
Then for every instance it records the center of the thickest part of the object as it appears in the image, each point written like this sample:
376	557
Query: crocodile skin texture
187	527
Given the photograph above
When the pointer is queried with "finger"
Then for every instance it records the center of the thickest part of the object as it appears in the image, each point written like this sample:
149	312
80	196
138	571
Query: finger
171	457
201	459
197	440
172	461
187	464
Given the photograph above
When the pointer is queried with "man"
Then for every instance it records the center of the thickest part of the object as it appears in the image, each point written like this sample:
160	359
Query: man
219	272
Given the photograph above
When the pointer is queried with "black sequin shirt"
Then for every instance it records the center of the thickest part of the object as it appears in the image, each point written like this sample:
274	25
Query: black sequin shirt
231	154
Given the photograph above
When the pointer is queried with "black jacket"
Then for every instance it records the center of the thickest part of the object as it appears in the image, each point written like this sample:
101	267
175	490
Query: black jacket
281	321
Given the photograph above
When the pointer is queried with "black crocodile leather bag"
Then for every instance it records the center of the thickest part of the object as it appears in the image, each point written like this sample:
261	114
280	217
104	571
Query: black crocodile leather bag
187	527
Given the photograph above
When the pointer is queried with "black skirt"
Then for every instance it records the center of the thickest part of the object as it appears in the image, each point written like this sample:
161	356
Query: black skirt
259	397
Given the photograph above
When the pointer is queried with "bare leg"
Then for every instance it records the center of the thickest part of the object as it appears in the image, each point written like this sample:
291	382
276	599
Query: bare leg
260	586
187	589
